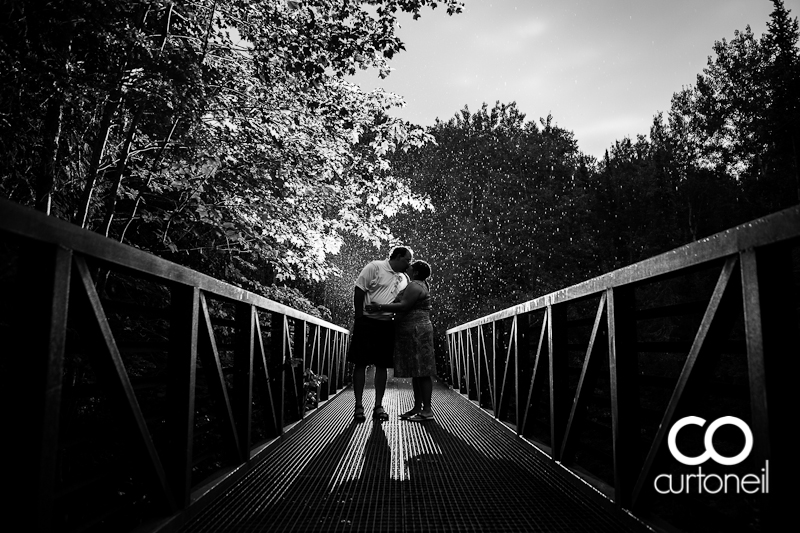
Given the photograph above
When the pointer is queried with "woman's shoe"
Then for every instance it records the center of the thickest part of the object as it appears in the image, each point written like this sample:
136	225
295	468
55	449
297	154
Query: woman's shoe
380	414
419	417
409	414
358	414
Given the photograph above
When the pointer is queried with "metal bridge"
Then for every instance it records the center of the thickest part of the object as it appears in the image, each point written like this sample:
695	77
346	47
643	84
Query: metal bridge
144	396
462	471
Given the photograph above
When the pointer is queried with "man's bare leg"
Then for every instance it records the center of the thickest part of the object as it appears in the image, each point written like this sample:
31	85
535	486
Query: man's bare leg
380	385
359	379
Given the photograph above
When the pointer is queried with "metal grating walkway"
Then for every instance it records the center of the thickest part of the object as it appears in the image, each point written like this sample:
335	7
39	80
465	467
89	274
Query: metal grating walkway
462	472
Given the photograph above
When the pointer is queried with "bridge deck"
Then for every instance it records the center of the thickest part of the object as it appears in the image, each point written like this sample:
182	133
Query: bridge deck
463	471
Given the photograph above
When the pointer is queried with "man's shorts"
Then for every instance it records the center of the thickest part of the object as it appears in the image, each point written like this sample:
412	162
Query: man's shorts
372	343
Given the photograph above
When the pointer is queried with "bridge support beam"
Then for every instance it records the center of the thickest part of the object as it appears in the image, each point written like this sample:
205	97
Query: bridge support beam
623	368
559	373
33	369
181	390
772	353
242	401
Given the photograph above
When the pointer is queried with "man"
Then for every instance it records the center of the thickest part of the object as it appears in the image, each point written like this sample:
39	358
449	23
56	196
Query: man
373	331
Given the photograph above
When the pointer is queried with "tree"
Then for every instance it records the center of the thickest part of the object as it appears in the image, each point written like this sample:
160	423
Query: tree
742	119
221	134
508	220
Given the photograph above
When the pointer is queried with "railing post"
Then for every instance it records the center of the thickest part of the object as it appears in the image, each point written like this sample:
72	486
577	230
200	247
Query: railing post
472	366
497	331
277	357
623	368
451	352
524	366
325	363
770	327
477	365
484	376
461	363
301	334
559	359
33	384
182	379
341	356
331	345
346	341
243	376
509	373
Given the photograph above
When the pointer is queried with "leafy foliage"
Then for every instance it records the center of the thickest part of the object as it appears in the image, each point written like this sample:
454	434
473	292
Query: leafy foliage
741	121
221	134
225	135
502	191
519	212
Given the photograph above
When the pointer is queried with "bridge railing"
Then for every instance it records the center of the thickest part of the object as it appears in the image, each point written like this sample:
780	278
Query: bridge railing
135	387
595	375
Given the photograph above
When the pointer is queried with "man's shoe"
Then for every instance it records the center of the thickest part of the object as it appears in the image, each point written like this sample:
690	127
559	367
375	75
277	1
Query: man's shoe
358	414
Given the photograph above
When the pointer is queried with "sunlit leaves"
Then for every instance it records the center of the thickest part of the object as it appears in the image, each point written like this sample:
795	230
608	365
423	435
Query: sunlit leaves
248	146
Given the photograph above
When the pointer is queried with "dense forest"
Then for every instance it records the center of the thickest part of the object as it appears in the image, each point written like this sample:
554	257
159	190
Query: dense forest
225	136
517	211
220	134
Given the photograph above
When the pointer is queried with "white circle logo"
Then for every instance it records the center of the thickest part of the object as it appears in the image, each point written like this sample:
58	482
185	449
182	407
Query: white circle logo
710	452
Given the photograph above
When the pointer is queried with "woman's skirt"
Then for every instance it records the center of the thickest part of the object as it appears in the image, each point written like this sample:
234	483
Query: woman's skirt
413	346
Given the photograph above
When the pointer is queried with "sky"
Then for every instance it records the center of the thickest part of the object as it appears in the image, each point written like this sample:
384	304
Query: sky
601	68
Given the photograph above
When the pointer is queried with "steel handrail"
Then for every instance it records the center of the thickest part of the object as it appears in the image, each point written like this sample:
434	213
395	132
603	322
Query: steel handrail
56	271
502	358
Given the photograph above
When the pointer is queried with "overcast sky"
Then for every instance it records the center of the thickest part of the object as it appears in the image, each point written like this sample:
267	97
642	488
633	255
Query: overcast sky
602	68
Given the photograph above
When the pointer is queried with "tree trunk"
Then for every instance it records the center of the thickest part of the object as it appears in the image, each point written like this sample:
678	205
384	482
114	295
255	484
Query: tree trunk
98	150
59	37
97	155
46	178
119	171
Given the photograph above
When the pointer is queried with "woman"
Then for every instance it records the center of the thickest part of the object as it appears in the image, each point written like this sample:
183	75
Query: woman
413	348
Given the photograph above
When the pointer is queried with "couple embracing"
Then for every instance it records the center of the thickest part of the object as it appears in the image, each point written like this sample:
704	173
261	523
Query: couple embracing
392	328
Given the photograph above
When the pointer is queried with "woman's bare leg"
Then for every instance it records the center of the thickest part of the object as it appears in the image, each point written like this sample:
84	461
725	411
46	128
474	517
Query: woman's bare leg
417	394
426	390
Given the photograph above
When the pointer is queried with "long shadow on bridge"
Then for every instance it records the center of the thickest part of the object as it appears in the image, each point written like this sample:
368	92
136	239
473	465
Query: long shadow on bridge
463	471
